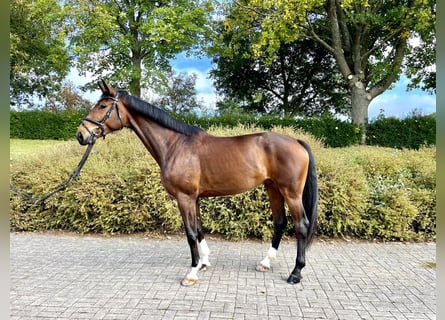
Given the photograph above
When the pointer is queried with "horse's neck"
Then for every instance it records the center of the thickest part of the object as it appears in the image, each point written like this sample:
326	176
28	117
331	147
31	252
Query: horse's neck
157	139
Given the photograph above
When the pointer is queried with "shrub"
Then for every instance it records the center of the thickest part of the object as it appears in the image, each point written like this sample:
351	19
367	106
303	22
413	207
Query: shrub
108	197
413	132
63	125
365	192
44	125
402	193
333	132
343	192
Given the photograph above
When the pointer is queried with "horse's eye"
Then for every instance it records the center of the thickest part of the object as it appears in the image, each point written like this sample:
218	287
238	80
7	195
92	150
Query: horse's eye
102	106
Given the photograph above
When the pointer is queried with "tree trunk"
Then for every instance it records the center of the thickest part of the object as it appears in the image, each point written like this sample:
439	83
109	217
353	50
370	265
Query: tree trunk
135	88
360	100
135	82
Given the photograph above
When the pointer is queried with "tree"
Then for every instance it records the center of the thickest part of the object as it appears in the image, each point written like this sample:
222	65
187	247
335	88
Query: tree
128	41
38	57
420	63
67	99
369	39
301	79
176	93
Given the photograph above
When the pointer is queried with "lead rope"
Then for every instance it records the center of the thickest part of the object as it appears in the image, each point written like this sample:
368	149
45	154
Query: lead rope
61	187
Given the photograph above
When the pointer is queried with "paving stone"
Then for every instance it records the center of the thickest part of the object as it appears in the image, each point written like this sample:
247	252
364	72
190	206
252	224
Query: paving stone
64	276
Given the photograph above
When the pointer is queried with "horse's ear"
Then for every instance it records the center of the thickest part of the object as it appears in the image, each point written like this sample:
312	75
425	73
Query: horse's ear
102	86
106	89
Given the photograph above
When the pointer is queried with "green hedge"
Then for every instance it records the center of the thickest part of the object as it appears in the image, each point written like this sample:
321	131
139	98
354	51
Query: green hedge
365	192
43	125
63	126
412	132
333	132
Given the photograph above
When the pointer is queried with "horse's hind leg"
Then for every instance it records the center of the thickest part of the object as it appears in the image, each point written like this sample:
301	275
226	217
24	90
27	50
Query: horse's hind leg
301	227
279	221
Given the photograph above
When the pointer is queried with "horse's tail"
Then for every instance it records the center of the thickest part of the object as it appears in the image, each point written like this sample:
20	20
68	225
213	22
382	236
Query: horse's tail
310	195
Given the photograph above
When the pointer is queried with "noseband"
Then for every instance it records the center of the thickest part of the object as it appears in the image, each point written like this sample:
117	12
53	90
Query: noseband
100	124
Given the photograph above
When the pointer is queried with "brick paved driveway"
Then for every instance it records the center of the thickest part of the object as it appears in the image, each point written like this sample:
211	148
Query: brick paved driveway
85	277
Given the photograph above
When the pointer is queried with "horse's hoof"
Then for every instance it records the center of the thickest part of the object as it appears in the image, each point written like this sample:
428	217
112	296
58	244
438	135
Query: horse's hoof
205	267
187	282
262	268
294	279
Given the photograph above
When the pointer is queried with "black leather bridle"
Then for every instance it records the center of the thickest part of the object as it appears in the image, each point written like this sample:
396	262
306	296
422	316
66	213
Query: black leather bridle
100	124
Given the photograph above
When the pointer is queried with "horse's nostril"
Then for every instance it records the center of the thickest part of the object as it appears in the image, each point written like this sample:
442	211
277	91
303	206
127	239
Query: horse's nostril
80	137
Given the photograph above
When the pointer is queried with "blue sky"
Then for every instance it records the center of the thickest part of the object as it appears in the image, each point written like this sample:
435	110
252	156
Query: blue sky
399	102
395	102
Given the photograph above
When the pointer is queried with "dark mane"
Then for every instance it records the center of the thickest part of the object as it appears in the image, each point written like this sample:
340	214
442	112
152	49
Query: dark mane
157	115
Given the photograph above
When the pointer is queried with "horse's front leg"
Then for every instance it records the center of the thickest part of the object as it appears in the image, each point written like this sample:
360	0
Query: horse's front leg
188	209
202	244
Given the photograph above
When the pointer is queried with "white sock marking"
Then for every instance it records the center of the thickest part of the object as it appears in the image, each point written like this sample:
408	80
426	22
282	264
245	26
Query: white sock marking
205	251
193	274
271	254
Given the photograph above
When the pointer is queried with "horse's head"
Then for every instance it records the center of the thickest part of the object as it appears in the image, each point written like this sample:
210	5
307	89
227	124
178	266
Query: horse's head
106	116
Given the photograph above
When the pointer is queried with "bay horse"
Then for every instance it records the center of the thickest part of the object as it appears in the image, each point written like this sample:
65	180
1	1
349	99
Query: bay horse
194	164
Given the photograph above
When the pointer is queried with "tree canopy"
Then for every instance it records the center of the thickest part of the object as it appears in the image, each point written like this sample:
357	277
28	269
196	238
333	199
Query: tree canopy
369	40
38	56
299	54
130	40
68	99
176	93
300	80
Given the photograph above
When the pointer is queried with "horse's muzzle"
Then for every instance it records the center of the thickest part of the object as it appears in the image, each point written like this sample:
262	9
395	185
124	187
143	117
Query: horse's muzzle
82	139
